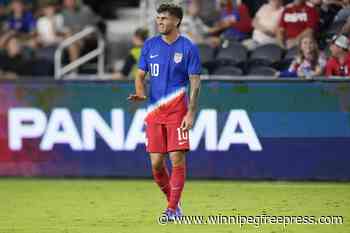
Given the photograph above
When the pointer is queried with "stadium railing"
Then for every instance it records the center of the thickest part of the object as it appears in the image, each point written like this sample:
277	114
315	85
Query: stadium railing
99	52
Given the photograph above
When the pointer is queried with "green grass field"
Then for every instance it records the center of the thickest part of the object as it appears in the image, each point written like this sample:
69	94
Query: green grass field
113	206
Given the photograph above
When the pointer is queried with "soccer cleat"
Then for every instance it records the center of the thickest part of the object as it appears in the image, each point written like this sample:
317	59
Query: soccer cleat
170	215
178	211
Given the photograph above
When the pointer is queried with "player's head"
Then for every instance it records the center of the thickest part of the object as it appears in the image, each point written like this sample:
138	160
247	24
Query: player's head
169	18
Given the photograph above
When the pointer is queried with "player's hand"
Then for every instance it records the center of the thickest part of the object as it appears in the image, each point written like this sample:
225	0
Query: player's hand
136	98
187	122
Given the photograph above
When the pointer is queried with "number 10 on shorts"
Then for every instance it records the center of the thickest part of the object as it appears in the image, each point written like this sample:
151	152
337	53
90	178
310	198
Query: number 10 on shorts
182	134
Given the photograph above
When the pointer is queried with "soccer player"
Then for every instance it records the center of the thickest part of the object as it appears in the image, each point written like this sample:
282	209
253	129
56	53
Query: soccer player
172	62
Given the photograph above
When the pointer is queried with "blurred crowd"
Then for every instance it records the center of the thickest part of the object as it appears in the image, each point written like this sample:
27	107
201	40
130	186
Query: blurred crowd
282	38
297	38
30	32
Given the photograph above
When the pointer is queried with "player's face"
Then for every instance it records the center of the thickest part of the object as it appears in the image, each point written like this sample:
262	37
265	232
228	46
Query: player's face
166	23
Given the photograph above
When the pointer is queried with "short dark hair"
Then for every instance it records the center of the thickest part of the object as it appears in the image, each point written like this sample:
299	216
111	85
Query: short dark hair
173	10
141	33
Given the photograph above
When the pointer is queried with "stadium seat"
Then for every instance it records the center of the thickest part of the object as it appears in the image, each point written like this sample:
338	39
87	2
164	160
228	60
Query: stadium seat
206	53
228	70
232	53
262	71
288	58
266	55
291	53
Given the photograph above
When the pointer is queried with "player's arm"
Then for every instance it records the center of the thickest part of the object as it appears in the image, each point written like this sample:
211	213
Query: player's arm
140	89
194	70
188	120
195	83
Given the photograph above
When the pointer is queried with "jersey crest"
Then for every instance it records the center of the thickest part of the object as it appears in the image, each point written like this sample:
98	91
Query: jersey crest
178	57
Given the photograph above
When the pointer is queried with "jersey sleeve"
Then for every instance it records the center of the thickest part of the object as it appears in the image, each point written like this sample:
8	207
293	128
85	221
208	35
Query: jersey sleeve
194	65
143	59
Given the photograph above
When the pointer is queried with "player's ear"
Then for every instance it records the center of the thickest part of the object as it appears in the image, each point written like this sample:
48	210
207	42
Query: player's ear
178	23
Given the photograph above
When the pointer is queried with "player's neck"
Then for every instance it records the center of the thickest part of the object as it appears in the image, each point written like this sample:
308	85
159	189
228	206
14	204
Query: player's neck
171	37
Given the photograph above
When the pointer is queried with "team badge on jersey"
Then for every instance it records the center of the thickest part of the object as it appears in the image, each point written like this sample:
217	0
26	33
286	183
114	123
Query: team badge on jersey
178	57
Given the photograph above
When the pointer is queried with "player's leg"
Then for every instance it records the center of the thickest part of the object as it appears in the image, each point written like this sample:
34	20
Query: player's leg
156	146
160	173
178	144
177	179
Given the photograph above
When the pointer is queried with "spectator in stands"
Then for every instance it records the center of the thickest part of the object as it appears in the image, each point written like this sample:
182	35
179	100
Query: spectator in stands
194	28
12	62
50	25
265	24
77	16
3	16
344	16
339	62
330	8
209	11
309	62
20	20
254	5
297	20
8	2
235	22
325	12
344	13
334	2
131	61
346	27
51	32
314	3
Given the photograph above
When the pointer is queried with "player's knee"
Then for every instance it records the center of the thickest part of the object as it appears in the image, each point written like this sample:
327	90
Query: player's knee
157	164
177	160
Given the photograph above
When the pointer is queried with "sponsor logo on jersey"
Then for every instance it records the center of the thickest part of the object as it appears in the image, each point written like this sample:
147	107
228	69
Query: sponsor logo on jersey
295	17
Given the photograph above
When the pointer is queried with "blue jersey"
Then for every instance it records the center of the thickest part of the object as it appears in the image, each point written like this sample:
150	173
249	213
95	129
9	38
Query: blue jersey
169	67
25	24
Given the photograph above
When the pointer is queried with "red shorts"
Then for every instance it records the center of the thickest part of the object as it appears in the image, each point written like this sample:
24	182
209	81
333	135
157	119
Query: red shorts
164	138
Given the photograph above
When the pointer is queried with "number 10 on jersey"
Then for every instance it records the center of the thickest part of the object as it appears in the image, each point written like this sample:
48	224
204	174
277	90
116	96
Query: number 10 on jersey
154	69
182	134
